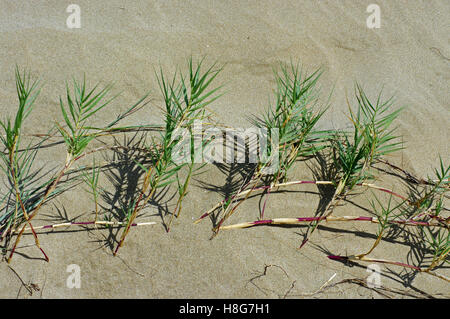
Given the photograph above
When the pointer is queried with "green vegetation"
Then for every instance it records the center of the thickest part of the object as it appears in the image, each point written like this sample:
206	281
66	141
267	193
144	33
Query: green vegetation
169	161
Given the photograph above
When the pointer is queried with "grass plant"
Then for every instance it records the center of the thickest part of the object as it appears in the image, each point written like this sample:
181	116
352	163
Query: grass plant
17	166
82	104
356	153
185	101
431	228
293	116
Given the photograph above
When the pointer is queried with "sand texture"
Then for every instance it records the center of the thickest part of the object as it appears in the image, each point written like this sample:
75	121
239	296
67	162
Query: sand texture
124	42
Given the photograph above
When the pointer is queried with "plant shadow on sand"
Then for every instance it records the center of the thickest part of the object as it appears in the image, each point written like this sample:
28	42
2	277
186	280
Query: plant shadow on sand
419	254
35	179
404	277
124	174
239	174
324	170
236	175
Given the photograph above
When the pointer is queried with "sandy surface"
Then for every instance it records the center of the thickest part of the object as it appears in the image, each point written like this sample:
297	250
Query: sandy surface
123	43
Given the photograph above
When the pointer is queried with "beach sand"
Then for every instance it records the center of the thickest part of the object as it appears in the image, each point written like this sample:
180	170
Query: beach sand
125	43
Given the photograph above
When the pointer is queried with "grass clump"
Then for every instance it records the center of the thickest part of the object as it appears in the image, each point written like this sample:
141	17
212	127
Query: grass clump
17	165
357	151
25	196
430	227
293	119
371	139
185	101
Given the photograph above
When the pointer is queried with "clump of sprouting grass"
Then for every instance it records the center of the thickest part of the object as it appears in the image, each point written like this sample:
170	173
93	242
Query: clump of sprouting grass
428	219
438	238
25	191
436	187
17	166
294	117
79	109
82	104
185	99
355	153
372	138
435	233
433	226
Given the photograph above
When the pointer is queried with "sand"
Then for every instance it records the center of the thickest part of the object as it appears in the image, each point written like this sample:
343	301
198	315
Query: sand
124	43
